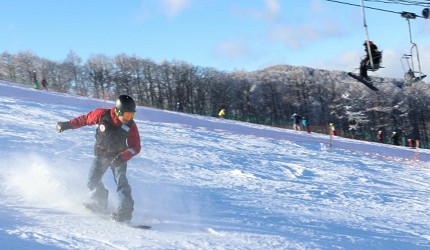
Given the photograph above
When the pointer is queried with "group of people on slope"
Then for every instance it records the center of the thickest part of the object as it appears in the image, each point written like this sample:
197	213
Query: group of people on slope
397	139
299	121
36	83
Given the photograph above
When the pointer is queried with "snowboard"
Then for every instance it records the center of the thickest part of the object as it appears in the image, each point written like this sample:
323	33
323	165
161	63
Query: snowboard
140	226
363	80
104	214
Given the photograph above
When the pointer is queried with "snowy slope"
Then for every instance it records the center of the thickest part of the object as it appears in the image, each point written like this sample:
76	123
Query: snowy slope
204	183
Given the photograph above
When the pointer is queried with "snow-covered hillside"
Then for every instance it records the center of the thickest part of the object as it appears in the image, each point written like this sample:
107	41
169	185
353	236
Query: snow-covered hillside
205	183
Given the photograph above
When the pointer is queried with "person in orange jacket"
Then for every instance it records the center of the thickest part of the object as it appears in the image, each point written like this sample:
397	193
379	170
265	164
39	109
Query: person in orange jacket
117	141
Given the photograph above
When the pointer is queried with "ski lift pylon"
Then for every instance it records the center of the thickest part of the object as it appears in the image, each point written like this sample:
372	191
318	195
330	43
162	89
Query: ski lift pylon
411	74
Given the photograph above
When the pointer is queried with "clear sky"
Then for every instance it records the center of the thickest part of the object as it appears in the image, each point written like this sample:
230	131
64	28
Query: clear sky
223	34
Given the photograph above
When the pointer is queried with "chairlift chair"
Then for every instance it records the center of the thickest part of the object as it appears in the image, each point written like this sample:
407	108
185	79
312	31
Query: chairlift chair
373	66
411	75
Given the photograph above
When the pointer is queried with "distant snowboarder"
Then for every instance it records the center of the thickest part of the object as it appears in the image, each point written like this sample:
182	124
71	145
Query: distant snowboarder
117	141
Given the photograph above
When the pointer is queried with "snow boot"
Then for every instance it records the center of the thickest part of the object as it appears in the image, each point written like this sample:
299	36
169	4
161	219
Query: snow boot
120	217
98	203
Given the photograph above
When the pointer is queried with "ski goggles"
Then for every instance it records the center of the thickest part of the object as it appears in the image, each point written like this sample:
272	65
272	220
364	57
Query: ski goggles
126	115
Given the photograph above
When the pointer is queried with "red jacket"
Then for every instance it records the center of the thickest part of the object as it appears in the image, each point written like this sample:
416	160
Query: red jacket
94	117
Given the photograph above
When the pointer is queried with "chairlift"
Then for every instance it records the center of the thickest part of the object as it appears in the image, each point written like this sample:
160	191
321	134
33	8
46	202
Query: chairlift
373	61
412	74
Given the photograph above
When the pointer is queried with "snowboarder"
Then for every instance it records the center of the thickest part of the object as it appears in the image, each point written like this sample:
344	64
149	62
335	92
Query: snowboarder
296	121
365	63
117	141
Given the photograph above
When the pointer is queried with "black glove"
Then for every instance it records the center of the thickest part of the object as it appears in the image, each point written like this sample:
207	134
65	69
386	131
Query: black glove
117	161
62	126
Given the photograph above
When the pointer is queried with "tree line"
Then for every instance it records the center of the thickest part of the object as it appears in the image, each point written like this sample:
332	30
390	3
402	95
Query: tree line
267	96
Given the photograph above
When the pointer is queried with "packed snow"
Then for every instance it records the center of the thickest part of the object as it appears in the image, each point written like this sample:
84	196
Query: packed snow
205	183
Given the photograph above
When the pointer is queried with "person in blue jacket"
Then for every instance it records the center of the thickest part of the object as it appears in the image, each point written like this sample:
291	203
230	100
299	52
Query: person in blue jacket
305	123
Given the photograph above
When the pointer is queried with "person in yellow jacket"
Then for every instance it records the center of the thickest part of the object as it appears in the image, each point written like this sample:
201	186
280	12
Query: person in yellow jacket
221	113
332	129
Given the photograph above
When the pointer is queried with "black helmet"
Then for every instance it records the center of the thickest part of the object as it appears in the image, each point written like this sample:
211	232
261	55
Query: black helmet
365	43
125	103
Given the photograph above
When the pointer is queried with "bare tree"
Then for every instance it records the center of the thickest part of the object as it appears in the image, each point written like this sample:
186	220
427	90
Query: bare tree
271	94
8	67
74	74
100	73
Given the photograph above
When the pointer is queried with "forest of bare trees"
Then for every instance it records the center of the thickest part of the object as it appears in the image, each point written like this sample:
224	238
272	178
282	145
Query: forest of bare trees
267	96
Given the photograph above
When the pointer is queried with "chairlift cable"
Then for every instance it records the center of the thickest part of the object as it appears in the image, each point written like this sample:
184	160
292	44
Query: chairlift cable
403	2
367	7
373	8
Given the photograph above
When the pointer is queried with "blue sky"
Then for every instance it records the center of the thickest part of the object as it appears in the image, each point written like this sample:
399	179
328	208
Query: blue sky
224	34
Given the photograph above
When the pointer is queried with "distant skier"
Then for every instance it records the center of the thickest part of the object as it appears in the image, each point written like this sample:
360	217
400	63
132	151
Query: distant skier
305	124
221	113
36	83
395	138
332	129
375	54
178	107
44	84
379	136
117	141
296	121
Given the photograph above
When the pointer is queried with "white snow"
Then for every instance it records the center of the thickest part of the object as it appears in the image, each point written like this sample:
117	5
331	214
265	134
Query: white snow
205	183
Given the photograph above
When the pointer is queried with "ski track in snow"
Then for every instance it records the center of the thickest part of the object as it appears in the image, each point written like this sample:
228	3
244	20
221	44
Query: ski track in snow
202	183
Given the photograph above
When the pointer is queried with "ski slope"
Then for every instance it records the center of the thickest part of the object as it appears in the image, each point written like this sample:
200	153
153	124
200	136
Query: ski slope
205	183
